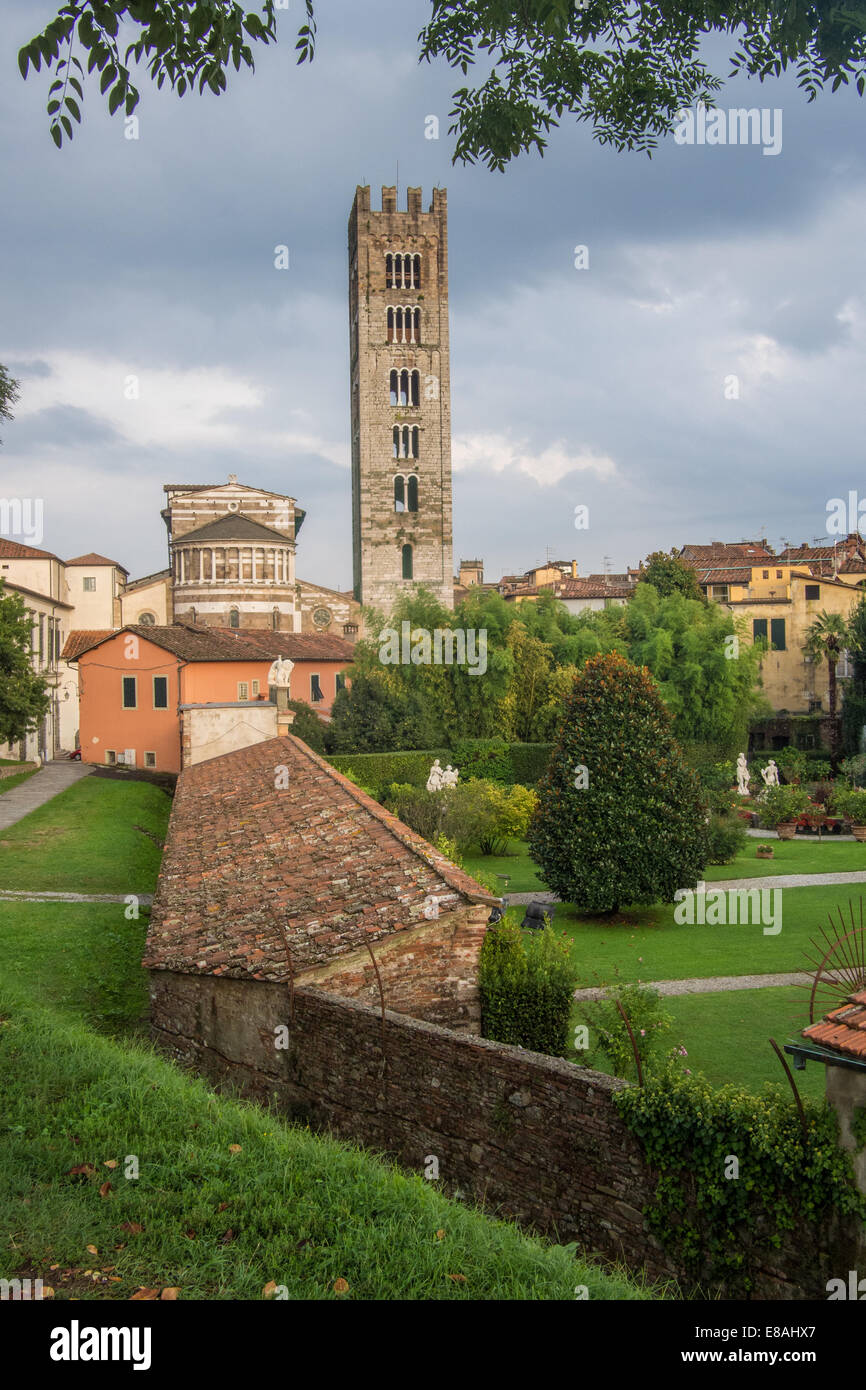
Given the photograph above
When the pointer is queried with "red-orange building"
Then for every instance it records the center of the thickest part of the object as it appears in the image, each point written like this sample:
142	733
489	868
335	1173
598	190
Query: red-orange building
137	684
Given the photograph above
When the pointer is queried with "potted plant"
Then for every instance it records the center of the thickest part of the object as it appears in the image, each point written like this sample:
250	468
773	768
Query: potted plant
781	808
764	851
850	802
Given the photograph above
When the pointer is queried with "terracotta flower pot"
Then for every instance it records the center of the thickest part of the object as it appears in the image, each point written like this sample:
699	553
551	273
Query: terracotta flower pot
764	853
859	832
787	830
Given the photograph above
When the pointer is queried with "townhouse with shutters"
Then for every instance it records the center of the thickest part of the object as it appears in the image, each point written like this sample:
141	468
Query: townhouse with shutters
167	697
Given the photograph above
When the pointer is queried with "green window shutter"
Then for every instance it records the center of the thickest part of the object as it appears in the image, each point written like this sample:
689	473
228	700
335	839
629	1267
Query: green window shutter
759	629
777	634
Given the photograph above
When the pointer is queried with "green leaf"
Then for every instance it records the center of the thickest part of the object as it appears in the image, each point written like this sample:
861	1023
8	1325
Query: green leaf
117	95
56	135
23	61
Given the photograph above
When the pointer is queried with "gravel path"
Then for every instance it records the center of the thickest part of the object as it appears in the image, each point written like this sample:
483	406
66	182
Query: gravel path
761	881
31	896
54	777
717	984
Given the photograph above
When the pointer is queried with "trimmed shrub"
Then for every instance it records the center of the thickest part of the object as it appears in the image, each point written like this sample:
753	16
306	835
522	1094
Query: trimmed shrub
781	805
620	816
381	769
526	988
485	758
726	835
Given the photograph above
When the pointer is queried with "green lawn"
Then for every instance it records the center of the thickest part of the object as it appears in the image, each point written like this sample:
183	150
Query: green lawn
86	839
227	1198
789	857
727	1037
645	943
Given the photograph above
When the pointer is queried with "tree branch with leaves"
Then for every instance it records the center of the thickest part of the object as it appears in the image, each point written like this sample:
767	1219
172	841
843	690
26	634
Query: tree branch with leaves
624	68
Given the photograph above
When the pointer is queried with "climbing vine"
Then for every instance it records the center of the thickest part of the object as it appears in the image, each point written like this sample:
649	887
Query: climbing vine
736	1171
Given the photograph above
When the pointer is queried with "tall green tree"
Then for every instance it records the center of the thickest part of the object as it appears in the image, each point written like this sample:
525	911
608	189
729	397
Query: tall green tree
9	393
623	67
670	574
24	696
620	817
826	639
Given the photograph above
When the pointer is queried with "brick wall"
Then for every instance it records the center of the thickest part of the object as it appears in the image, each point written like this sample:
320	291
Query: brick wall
535	1138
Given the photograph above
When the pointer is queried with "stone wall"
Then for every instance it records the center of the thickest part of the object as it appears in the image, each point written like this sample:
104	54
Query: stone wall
535	1138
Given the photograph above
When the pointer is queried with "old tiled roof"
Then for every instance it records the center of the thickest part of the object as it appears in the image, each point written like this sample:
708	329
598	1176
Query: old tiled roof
14	550
730	574
590	588
82	639
726	552
297	646
189	642
93	559
843	1030
251	867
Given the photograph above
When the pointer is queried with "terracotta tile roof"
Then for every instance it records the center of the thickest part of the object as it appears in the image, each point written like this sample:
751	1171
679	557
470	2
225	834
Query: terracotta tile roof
245	861
723	552
81	639
843	1030
187	641
731	574
14	550
297	646
590	588
93	559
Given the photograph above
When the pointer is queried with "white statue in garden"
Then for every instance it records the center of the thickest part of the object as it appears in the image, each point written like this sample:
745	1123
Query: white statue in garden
449	776
770	774
742	775
434	781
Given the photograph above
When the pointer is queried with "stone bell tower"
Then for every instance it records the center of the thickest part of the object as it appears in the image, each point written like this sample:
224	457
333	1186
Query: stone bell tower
400	398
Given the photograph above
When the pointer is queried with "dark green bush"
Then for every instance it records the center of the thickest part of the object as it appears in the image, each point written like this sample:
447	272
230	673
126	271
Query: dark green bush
529	762
727	838
487	758
526	988
308	726
620	816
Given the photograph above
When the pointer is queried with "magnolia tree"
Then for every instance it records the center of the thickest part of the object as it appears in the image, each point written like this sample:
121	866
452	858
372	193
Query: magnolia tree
620	817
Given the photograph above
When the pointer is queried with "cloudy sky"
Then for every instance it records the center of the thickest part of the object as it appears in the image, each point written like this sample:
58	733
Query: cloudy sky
607	387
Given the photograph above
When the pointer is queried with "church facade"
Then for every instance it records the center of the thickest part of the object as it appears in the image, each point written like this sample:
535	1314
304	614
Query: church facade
231	551
400	398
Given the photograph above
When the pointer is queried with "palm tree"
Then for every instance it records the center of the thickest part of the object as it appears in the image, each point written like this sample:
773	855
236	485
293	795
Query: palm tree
828	637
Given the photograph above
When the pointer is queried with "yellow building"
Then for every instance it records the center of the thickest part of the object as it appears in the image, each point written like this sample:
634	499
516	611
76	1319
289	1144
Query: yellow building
780	601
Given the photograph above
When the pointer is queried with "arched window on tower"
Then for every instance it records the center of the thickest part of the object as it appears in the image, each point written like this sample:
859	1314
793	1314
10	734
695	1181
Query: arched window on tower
412	494
407	562
399	493
234	617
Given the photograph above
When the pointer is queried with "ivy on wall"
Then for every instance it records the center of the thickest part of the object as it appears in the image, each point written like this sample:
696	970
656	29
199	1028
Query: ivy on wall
736	1172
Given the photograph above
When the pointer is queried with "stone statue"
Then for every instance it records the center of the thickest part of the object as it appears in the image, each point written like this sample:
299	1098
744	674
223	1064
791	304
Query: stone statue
449	776
280	673
742	775
770	774
434	781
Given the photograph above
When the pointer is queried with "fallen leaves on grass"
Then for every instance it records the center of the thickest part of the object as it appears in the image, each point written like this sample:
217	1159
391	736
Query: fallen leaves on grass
235	1149
105	1189
169	1295
132	1226
341	1286
458	1278
109	1163
270	1289
81	1170
144	1296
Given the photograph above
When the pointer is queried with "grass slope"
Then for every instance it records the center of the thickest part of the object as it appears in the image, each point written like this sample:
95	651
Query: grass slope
214	1221
85	840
